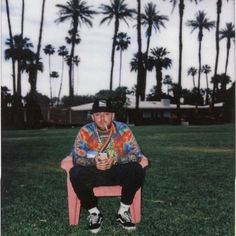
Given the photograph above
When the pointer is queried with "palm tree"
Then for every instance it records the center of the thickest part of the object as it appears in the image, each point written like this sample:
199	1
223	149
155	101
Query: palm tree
49	50
29	65
22	18
218	9
141	70
192	71
117	10
206	69
152	20
75	61
78	13
181	14
63	52
11	46
18	52
228	33
40	38
53	74
168	81
201	22
122	42
159	60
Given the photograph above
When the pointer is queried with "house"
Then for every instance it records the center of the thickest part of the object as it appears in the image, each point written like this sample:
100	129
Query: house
151	112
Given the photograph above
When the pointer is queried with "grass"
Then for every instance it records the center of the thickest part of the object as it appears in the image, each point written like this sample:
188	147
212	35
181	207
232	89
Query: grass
189	185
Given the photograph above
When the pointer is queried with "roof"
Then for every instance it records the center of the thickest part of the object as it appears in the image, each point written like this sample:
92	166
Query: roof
163	104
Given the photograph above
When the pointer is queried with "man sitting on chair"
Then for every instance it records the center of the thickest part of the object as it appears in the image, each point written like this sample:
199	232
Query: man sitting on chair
106	153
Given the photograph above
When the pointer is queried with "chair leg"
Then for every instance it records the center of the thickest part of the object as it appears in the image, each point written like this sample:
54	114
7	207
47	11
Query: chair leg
73	205
135	208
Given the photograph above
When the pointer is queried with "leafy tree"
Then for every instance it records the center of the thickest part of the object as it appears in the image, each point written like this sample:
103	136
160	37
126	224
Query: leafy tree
78	12
192	71
227	33
159	61
122	42
201	22
119	11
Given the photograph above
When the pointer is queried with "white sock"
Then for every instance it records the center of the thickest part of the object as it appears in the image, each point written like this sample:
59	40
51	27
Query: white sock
93	210
123	208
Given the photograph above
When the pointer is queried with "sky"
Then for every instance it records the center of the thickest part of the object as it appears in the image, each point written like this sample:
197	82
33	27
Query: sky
94	51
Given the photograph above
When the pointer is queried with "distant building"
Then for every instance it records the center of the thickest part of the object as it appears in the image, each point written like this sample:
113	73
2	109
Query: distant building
152	112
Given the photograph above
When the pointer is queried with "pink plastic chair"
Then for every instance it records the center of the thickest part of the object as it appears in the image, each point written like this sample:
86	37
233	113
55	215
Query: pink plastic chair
102	191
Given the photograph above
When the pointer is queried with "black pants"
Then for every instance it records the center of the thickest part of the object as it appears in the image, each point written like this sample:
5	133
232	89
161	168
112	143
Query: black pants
83	178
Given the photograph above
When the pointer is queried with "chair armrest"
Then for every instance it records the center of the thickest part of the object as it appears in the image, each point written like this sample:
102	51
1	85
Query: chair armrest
144	162
66	163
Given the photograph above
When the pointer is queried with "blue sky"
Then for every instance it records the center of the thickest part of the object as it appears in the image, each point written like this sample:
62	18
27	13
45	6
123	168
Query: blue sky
94	50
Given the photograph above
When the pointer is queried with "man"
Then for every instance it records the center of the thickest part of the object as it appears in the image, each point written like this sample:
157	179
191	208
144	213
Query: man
105	152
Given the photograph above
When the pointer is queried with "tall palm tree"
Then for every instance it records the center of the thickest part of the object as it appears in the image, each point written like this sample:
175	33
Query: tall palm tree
218	11
117	10
18	52
29	66
181	15
78	12
22	17
63	52
139	55
228	33
122	42
11	46
49	50
206	69
192	71
40	38
201	22
53	74
168	81
75	62
159	61
152	20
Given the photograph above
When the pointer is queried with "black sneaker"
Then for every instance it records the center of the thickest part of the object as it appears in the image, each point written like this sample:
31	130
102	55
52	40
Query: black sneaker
125	221
95	222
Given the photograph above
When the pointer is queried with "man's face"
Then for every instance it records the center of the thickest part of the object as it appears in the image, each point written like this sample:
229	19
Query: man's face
103	119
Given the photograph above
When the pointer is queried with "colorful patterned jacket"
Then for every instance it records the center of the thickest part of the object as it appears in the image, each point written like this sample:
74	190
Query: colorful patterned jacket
123	145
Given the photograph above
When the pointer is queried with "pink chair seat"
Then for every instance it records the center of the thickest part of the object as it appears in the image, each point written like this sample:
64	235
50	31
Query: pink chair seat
102	191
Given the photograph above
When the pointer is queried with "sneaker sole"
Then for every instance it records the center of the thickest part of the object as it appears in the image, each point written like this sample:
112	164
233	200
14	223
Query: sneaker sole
125	227
95	231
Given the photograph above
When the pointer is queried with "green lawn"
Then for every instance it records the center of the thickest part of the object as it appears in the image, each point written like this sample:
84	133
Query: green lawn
189	186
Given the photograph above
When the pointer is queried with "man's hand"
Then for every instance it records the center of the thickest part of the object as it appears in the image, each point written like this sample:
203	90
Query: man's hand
103	164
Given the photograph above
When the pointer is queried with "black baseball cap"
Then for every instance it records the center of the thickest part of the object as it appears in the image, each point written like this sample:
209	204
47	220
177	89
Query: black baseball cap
102	105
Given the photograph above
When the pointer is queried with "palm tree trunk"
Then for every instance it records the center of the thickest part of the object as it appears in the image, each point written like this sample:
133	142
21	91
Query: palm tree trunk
120	67
207	94
194	85
218	6
143	87
50	78
140	64
62	70
227	56
200	66
116	29
158	91
39	39
11	44
179	88
19	79
22	18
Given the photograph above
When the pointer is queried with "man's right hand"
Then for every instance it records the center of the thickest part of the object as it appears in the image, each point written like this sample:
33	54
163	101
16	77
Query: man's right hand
101	164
